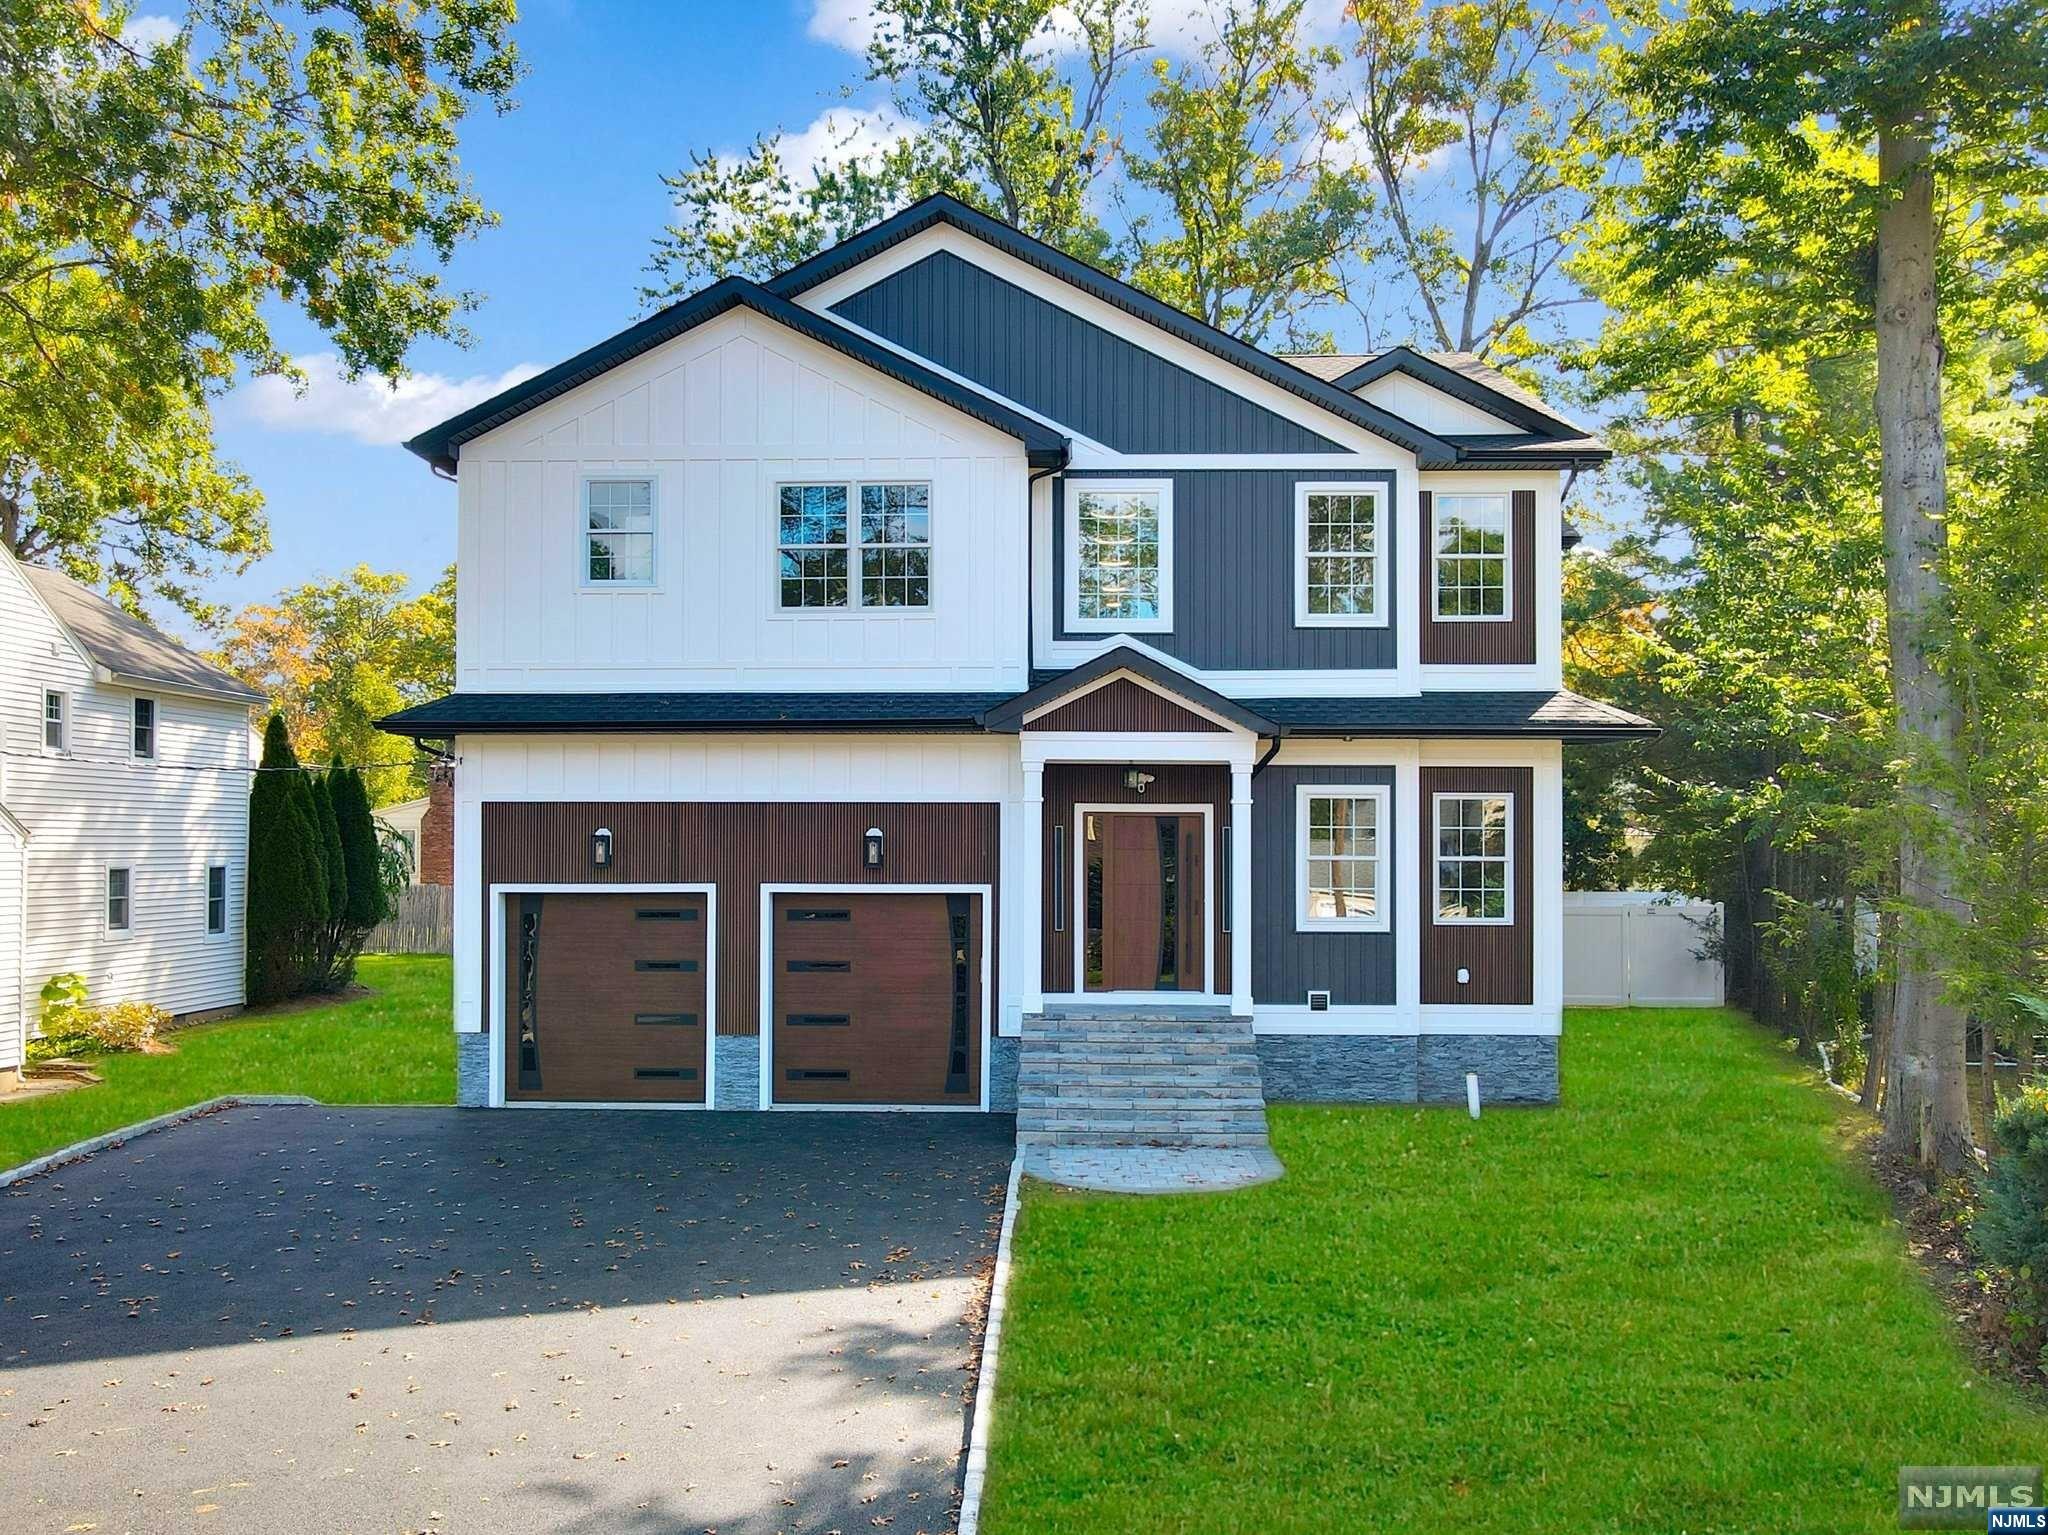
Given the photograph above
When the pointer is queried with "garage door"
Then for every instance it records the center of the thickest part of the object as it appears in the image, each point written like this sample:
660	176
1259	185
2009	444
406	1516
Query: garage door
605	998
877	998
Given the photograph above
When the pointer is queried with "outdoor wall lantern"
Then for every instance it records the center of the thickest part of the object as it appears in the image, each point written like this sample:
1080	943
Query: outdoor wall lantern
872	852
601	848
1137	780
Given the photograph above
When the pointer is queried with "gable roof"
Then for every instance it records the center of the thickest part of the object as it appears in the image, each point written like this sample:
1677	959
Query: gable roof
1431	450
1463	376
125	646
1008	717
441	445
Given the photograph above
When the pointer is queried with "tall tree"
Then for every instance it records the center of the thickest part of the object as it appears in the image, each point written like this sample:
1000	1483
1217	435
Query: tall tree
162	202
1259	222
287	899
335	656
1481	121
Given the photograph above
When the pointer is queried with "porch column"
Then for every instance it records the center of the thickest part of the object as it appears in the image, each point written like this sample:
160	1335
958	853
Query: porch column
1241	889
1028	887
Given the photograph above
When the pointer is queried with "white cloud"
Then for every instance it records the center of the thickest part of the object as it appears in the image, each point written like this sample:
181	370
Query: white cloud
370	409
1177	27
842	134
848	24
148	33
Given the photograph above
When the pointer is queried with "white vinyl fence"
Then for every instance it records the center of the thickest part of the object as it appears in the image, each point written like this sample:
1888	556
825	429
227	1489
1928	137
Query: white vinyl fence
1640	948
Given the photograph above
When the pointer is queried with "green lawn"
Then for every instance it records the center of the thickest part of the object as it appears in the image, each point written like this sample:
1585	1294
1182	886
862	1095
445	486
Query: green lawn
1673	1304
393	1047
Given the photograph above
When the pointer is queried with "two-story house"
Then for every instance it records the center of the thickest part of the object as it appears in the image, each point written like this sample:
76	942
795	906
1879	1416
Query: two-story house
124	808
858	668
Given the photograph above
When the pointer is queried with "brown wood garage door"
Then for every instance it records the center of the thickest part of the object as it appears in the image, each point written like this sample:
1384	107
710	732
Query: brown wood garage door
877	998
606	998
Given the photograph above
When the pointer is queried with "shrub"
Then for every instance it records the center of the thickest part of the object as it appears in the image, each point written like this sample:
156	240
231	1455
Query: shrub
71	1023
2012	1226
125	1025
287	877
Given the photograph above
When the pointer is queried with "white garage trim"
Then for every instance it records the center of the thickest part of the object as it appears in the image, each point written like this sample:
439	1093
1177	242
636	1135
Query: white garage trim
767	1009
497	1036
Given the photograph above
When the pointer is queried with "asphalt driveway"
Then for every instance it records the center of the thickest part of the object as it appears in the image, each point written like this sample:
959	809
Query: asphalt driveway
311	1320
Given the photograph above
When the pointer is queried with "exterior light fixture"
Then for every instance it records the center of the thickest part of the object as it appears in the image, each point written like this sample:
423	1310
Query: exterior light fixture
1137	780
871	853
601	848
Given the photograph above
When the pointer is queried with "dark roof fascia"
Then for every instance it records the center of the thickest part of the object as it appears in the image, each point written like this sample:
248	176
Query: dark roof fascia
1535	458
441	445
1431	451
1008	718
1403	359
610	713
1570	718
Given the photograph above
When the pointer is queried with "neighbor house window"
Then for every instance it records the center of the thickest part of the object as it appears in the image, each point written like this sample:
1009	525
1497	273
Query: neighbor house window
54	721
118	901
895	546
618	531
1119	537
1473	861
1471	543
811	545
1339	543
217	898
1342	862
143	738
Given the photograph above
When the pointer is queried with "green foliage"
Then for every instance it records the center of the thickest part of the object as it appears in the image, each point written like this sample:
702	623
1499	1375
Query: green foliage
287	876
166	205
71	1024
2011	1228
333	861
63	997
367	904
395	858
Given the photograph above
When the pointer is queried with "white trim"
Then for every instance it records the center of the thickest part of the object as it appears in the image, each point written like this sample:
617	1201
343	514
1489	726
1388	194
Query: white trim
1374	491
498	892
766	1097
107	899
227	903
1382	796
1071	529
1436	800
1208	995
1159	690
1041	748
1437	615
584	530
156	728
63	695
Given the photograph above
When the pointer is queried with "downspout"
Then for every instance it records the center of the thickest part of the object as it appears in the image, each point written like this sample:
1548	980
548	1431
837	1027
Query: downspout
1031	573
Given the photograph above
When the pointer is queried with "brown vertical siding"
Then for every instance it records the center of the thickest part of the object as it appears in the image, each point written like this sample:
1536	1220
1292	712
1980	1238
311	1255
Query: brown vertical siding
1101	783
738	848
1485	644
1122	705
1502	960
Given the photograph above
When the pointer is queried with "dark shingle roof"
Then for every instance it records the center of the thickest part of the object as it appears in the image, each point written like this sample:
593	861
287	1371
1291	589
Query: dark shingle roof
1562	715
1464	377
1008	716
126	646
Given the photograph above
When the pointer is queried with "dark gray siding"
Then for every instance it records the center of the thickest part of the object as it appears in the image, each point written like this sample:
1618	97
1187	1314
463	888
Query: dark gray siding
1233	573
1357	969
1043	357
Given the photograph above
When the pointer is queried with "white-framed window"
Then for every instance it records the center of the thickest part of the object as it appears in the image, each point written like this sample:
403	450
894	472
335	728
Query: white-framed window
1340	572
896	545
1470	538
617	533
853	544
120	900
142	729
56	721
216	900
1119	543
1342	857
811	546
1474	857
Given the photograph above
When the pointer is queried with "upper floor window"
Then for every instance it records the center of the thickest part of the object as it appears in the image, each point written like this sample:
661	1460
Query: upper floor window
55	721
618	531
1342	867
119	903
818	546
1119	539
142	739
1339	543
1470	540
1474	864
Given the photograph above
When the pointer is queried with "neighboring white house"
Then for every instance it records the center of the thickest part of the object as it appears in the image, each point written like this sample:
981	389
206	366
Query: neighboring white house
405	819
124	808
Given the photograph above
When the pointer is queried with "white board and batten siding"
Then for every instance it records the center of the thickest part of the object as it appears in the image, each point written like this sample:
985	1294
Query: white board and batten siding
1430	409
94	806
1640	948
720	417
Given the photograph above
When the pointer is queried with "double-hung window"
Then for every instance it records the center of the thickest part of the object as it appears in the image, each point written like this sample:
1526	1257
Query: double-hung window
119	900
618	530
1339	559
56	723
1474	859
1470	541
142	738
1342	861
216	899
1119	543
826	558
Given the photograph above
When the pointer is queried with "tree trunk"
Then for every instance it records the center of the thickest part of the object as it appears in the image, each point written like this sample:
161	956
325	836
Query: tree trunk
1927	1111
1883	1012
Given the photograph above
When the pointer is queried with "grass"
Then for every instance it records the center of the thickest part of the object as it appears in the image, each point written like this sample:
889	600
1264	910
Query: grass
394	1046
1673	1303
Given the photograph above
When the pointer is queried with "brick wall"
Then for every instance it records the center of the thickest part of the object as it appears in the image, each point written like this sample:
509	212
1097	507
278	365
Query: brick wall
437	827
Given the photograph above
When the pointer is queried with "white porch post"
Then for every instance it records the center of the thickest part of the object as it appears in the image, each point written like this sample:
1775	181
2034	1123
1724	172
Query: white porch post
1029	889
1241	889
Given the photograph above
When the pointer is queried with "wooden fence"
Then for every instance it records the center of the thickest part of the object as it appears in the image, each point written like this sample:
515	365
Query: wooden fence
423	924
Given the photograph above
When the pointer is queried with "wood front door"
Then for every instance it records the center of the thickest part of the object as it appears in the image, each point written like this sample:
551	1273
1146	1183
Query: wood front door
1143	877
